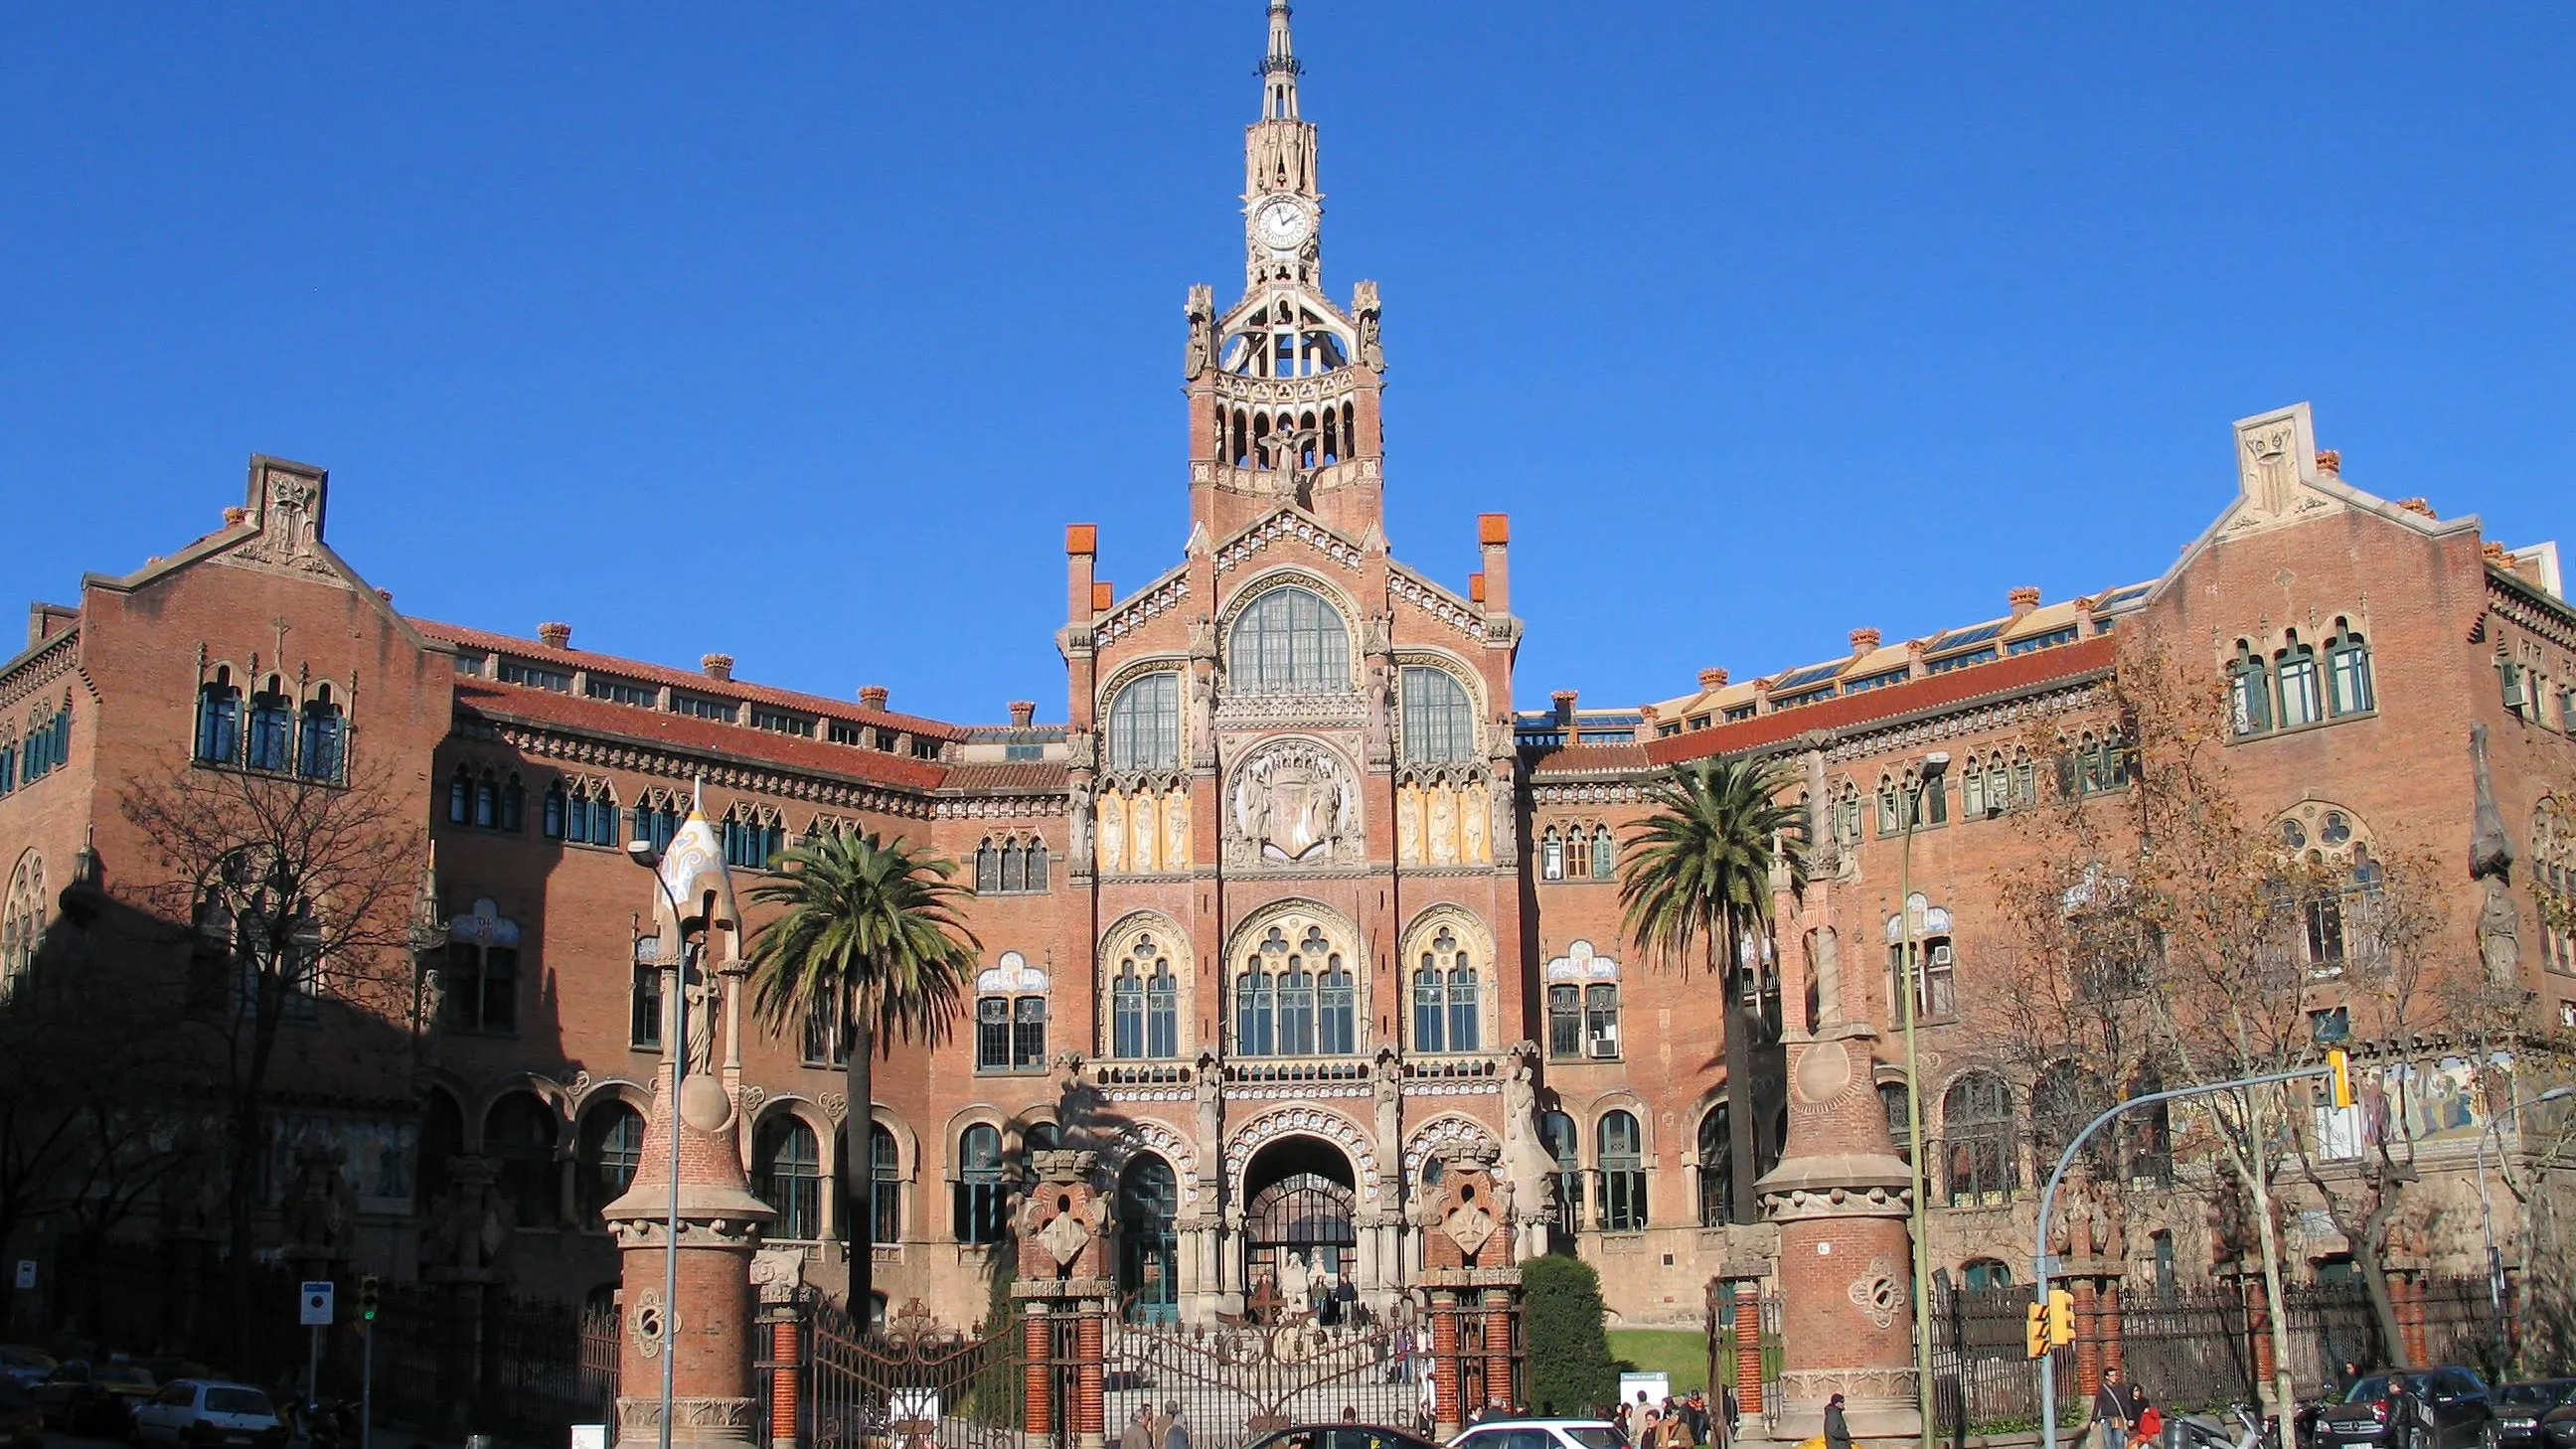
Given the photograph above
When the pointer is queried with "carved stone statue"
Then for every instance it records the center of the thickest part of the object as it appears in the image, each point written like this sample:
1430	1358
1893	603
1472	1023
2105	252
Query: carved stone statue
1388	1072
1078	803
1113	832
1202	715
700	1033
1211	1096
1364	302
1176	829
2491	860
1526	1160
1408	824
1200	353
1294	802
1475	831
2499	941
1444	825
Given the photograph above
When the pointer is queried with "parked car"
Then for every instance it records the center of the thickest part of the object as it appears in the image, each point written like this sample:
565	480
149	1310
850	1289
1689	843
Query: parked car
1339	1436
2462	1416
2519	1407
1541	1434
2557	1428
79	1397
24	1366
205	1413
22	1424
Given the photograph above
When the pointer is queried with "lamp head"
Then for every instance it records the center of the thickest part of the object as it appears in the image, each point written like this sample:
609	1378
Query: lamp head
2556	1094
643	853
1935	765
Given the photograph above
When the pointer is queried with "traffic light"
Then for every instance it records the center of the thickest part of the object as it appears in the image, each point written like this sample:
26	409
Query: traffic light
2061	1317
2034	1336
369	1297
2339	1071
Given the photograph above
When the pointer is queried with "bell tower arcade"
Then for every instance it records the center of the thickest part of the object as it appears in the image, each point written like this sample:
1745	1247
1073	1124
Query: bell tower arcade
1284	386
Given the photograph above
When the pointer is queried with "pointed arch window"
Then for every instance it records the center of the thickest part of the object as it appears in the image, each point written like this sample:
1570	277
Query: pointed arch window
657	821
752	841
1605	853
321	744
1145	724
1578	853
1891	807
1977	1131
272	728
1623	1173
22	922
1447	1000
1847	814
1289	641
885	1183
520	1132
612	1147
1439	722
2302	701
1556	1132
2348	672
219	719
1551	855
2249	692
1972	789
981	1192
1010	867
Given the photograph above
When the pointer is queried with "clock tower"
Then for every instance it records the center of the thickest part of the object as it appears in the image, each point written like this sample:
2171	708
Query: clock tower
1284	385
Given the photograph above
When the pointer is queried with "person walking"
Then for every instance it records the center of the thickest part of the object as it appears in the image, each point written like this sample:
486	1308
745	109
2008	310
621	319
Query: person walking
2115	1408
1176	1435
1837	1432
1139	1433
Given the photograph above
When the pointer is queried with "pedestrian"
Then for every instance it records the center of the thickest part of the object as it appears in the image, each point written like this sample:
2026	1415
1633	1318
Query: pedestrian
2149	1425
2405	1413
1695	1410
1648	1424
1176	1435
2346	1377
2115	1408
1346	1300
1619	1420
1837	1432
1139	1433
1350	1413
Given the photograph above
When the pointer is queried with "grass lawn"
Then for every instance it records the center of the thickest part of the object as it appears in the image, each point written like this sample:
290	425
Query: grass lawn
1678	1353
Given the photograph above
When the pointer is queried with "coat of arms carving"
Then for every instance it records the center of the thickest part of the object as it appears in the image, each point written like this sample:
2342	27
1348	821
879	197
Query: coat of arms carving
1294	803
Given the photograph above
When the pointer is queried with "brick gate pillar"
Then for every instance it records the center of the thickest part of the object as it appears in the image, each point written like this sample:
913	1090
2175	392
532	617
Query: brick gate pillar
1747	1368
2406	1294
1467	1264
1064	1273
779	1274
1446	1420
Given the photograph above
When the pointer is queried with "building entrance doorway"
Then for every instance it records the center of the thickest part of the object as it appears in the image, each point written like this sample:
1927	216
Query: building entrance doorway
1300	1224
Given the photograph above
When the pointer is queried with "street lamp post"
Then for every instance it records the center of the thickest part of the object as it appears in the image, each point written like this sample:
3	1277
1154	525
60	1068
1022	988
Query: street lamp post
2486	1207
1927	776
648	855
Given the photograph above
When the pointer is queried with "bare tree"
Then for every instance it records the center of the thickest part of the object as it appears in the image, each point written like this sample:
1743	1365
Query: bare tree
2189	941
287	896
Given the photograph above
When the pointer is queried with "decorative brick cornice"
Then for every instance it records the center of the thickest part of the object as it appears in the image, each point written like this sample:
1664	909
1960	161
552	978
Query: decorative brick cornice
1623	791
1978	718
2511	599
1016	806
1286	525
50	662
1157	600
1431	599
669	764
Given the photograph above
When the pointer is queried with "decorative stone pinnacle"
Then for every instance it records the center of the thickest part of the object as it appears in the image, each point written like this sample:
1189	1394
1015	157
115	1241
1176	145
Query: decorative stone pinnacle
717	666
1864	640
555	635
2329	460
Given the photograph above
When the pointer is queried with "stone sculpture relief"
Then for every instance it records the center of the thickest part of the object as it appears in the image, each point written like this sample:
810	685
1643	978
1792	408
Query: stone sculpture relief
1294	803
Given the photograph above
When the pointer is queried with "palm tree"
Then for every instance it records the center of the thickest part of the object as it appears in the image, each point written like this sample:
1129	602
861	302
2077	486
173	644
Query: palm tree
869	933
1698	873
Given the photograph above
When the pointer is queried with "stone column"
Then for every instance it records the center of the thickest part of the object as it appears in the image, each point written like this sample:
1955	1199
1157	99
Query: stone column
1841	1196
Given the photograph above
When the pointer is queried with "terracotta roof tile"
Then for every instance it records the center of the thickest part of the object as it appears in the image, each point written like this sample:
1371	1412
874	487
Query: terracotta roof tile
1009	777
1587	759
693	681
682	732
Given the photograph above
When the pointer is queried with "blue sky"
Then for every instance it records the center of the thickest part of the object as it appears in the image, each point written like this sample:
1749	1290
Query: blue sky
1762	323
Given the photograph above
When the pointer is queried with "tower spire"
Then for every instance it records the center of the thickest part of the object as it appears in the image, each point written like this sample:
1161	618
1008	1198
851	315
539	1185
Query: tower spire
1279	69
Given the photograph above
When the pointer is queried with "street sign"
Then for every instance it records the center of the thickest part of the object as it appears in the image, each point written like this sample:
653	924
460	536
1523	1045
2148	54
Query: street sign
2049	1265
315	1305
26	1274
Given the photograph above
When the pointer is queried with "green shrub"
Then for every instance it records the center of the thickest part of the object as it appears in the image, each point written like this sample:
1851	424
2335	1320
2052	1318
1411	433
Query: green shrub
1568	1368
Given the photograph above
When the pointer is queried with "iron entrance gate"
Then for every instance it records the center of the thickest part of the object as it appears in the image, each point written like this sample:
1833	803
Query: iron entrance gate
917	1385
1239	1378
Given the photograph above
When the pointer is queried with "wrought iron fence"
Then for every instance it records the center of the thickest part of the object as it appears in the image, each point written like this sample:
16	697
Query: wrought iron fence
1231	1381
915	1385
1983	1382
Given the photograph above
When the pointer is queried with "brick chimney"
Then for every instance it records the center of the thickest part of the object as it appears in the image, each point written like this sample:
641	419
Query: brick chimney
1564	706
1712	679
235	516
2024	600
1023	711
1646	718
2419	506
717	666
1864	641
2330	460
872	696
555	636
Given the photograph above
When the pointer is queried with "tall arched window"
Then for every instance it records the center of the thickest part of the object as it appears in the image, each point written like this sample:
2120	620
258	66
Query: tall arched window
319	753
1891	808
1551	855
1295	1000
272	726
1578	853
2249	691
520	1132
980	1191
22	921
1145	724
1623	1173
1126	1016
1978	1165
885	1183
1899	1112
1447	1001
219	719
612	1147
1289	642
1716	1174
1439	722
2062	1100
1556	1132
2348	672
787	1171
2302	703
1605	853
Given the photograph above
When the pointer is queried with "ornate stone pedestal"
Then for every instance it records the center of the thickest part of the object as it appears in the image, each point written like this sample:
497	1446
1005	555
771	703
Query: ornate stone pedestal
1842	1198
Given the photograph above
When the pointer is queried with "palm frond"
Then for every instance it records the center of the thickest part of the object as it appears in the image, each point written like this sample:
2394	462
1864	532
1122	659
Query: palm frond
1696	874
868	920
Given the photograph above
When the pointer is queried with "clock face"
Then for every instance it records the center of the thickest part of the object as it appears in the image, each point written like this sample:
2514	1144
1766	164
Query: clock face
1282	225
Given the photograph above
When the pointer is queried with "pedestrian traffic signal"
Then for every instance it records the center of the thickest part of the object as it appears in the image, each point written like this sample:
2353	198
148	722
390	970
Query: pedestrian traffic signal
2339	1070
368	1299
2035	1332
2061	1317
